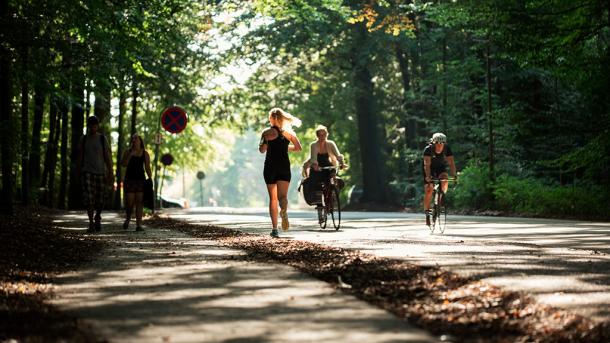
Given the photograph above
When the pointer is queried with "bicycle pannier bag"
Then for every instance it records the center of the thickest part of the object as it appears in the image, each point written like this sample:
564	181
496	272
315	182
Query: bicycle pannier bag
309	191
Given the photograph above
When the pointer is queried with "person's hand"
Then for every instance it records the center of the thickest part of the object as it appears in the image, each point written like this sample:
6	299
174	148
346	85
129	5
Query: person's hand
428	179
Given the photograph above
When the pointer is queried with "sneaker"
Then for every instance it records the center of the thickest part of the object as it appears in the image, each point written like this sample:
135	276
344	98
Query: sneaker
428	212
139	229
91	227
284	215
275	233
98	224
125	224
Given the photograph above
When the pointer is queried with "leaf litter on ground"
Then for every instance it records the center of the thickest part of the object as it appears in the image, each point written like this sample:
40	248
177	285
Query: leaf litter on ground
447	304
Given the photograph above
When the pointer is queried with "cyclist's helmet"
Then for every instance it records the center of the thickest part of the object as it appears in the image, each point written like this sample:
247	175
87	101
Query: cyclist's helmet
439	138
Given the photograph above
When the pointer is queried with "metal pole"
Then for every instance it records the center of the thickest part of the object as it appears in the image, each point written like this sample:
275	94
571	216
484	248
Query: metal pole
161	187
201	192
156	165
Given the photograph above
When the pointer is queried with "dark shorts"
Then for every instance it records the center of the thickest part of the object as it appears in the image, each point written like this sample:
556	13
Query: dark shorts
434	173
133	186
274	174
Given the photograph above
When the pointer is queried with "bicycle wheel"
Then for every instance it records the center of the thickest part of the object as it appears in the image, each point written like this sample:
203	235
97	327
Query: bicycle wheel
442	219
335	208
322	214
433	217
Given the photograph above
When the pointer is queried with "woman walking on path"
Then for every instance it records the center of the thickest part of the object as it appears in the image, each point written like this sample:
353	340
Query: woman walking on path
277	141
136	159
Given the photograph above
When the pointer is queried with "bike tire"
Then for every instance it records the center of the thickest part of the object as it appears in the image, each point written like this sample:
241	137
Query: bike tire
442	219
335	206
322	218
433	218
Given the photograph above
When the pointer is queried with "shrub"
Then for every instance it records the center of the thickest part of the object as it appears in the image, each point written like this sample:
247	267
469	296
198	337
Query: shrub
474	189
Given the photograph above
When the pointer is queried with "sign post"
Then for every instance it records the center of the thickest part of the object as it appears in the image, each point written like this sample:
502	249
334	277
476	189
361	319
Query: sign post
166	160
174	120
201	176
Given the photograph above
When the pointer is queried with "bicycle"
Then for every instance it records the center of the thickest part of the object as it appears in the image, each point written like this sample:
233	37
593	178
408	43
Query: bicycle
438	212
330	200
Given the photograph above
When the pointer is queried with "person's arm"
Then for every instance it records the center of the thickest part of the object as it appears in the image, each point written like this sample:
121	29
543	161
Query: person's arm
262	145
451	162
126	158
292	137
313	155
108	161
335	151
427	162
147	164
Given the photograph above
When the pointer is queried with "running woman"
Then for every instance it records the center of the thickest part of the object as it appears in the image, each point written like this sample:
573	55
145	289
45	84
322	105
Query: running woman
277	141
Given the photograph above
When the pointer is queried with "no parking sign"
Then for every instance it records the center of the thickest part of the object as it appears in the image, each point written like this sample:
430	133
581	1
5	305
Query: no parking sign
174	119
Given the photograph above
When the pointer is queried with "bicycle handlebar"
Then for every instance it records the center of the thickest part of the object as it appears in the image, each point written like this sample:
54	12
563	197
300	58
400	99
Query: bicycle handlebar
345	166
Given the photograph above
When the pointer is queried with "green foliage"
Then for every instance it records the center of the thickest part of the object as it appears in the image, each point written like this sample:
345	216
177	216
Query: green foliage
474	190
532	197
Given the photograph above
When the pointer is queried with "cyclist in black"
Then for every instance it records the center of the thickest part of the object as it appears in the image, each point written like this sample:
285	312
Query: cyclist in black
437	155
277	141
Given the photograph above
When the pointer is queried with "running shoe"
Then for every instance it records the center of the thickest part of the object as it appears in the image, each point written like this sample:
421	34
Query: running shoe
139	228
284	215
275	233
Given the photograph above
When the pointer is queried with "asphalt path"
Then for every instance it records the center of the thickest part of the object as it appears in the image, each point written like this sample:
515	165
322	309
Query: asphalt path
559	262
161	285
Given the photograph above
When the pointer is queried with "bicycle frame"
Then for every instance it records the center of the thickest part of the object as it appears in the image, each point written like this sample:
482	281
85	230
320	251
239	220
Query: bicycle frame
330	200
439	208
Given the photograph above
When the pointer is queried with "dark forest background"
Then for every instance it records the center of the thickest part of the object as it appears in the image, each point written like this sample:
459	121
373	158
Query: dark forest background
521	89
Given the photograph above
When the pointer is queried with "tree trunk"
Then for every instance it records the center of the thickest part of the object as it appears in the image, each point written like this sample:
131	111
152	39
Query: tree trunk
25	129
368	126
489	113
53	145
63	176
49	144
444	84
101	108
120	143
6	143
77	123
134	107
409	121
39	98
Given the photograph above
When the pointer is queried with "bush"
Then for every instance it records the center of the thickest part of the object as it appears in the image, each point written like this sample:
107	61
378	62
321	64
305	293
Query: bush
474	191
528	196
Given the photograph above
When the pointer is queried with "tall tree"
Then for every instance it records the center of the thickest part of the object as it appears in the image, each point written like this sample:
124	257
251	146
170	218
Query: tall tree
6	148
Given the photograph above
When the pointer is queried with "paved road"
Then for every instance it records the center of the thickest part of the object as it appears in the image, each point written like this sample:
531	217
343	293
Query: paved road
163	286
562	263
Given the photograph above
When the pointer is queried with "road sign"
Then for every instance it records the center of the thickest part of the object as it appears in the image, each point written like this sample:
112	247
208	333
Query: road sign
167	159
174	119
200	175
158	138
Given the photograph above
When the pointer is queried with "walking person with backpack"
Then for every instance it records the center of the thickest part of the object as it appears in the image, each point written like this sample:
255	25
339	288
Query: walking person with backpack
137	161
95	168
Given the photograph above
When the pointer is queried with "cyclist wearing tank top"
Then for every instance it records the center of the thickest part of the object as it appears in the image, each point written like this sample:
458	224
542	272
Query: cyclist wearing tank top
437	156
